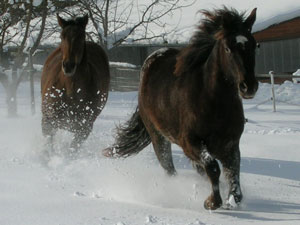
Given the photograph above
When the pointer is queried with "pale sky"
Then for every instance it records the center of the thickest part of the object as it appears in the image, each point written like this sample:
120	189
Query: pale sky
265	8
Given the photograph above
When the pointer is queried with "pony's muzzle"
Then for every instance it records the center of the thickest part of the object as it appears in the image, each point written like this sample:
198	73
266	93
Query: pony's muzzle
69	68
247	92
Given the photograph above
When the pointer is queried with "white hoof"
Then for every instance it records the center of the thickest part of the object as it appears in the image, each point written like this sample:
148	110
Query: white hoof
231	203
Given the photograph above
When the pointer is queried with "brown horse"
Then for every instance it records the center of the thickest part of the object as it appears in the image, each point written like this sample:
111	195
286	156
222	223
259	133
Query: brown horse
192	98
75	83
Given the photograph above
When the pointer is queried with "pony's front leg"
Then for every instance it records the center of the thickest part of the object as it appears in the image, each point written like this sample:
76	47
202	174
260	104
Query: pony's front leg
201	157
213	172
231	167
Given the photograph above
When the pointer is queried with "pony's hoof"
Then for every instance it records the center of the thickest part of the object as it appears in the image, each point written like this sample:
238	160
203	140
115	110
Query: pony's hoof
109	152
233	202
212	204
171	173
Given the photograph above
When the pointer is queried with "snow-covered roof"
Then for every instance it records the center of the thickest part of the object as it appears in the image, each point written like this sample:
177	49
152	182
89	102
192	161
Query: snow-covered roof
122	64
276	20
297	73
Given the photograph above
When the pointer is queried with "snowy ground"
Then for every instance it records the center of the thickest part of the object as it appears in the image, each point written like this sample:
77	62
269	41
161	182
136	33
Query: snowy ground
135	191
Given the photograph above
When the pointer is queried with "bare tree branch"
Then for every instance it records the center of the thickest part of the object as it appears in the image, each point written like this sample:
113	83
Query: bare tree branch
18	59
114	21
42	28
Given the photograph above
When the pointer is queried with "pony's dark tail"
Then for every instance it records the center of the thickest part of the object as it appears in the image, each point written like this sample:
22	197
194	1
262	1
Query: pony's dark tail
131	138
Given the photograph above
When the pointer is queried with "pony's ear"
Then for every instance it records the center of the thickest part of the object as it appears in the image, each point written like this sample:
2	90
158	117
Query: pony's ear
82	21
251	19
62	23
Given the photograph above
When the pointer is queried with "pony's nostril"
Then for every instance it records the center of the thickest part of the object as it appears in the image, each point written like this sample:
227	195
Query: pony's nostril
72	65
243	87
68	66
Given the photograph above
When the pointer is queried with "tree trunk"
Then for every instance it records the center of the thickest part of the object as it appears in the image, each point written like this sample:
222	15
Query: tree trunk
31	73
11	94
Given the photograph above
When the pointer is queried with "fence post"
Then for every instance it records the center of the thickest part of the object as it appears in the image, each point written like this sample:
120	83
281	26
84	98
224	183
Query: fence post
271	73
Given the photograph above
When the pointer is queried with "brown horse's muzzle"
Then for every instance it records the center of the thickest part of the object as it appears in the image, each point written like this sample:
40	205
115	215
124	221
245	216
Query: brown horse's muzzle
69	68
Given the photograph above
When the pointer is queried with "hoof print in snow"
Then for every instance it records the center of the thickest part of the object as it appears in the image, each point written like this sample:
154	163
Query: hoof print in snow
95	195
120	223
150	219
79	194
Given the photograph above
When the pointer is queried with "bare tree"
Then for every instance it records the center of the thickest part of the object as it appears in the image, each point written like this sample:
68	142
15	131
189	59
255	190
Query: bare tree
9	16
119	21
20	34
23	26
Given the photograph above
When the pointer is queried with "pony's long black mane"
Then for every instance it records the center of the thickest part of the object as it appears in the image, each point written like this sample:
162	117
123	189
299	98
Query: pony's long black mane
216	24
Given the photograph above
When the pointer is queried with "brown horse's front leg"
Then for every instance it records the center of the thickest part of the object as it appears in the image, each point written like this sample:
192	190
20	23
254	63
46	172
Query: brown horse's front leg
48	130
231	167
81	133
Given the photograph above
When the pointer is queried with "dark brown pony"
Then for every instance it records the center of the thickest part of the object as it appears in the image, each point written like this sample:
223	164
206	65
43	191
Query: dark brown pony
75	83
192	98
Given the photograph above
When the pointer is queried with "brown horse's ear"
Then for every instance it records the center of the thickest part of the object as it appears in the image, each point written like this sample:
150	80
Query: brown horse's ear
251	19
62	23
82	21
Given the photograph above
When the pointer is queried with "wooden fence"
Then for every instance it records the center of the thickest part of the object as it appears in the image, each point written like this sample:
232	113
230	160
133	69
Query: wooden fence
278	77
272	78
124	79
127	79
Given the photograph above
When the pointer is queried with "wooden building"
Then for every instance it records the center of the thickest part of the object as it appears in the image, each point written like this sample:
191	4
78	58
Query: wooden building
279	44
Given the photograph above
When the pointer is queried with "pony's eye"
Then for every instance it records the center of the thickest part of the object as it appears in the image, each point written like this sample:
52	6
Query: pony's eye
257	45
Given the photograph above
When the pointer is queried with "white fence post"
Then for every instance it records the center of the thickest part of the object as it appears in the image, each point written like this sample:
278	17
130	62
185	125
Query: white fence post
272	89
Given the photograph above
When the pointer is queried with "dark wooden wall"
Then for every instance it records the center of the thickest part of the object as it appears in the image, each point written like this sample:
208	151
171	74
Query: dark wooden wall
280	47
285	30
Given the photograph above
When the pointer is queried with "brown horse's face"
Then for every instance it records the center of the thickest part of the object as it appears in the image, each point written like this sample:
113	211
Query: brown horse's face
72	43
238	53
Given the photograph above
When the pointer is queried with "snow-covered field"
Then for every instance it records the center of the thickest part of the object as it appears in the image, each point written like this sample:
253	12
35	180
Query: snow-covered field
135	191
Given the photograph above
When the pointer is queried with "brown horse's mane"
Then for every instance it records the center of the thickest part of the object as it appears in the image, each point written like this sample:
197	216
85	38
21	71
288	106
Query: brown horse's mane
217	24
